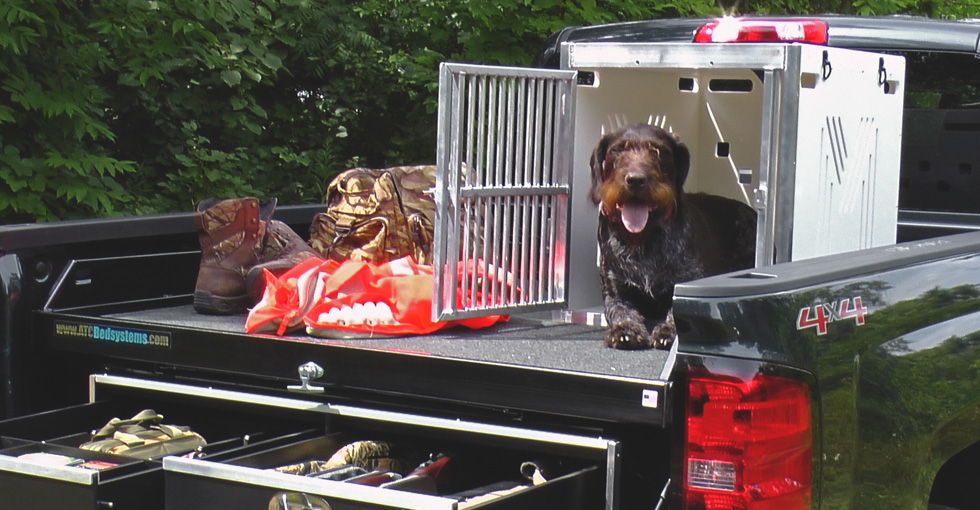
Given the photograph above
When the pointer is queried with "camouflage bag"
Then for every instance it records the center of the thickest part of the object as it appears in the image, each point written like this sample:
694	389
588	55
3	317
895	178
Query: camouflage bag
143	436
377	215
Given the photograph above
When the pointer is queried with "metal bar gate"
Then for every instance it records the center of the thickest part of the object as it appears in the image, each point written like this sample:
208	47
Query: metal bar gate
502	190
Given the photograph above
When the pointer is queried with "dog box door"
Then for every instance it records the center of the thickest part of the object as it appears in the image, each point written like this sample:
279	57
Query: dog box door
503	184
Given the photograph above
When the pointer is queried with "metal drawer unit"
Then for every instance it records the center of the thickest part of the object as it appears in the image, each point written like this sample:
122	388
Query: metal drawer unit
123	482
251	433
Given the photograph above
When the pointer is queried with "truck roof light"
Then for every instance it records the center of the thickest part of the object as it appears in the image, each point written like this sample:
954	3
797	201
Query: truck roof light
759	30
748	443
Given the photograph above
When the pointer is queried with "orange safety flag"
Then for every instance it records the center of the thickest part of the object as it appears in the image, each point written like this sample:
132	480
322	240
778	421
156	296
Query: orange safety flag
356	298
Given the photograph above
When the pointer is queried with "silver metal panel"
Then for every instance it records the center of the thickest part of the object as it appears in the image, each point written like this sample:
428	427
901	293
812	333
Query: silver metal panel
783	157
674	55
70	474
356	412
848	122
769	200
486	429
612	476
502	190
939	219
102	380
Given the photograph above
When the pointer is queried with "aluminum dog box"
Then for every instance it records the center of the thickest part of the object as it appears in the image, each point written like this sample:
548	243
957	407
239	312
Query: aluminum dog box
808	135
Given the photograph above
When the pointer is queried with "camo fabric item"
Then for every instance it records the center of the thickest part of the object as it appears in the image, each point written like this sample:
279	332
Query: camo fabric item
144	437
370	455
377	215
310	467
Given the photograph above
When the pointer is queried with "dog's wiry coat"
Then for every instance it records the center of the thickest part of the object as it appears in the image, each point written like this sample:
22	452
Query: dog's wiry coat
652	235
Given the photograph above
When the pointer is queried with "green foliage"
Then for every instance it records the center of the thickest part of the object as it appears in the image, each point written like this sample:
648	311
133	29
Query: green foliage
54	139
139	106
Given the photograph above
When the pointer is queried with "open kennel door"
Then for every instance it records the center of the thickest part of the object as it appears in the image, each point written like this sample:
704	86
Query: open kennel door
503	187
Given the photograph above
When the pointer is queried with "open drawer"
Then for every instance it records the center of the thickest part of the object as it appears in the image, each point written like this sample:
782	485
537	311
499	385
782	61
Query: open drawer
42	463
420	463
250	435
481	467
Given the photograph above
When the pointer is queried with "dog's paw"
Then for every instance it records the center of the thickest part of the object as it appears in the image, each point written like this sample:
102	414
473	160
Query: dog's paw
663	335
628	336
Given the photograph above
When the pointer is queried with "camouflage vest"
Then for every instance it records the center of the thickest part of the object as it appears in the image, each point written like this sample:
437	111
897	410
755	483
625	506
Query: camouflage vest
377	215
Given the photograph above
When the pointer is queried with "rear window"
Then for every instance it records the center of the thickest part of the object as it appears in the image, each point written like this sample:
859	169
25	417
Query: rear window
941	133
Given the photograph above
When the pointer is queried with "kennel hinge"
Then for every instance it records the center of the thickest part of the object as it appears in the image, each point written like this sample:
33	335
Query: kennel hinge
761	197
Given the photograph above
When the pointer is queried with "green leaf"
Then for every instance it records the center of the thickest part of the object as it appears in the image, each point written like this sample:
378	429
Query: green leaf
177	26
185	160
231	77
271	61
256	77
259	111
16	184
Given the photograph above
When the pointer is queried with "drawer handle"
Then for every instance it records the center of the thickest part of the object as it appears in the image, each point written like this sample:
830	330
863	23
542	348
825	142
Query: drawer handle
308	372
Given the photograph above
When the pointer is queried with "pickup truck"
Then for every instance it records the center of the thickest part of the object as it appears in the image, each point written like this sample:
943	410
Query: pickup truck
842	380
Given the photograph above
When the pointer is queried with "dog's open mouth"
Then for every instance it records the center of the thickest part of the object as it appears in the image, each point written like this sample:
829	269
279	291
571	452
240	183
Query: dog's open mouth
634	215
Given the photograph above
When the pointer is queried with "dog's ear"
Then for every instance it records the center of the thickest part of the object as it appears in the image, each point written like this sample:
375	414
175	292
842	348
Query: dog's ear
682	162
596	161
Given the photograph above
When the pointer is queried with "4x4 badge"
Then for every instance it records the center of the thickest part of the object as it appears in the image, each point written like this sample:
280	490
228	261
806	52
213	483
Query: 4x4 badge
818	316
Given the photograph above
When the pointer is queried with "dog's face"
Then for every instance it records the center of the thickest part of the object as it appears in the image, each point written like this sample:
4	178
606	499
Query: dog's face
638	173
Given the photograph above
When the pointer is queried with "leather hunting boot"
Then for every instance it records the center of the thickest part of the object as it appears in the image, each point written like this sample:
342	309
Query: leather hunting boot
231	233
282	249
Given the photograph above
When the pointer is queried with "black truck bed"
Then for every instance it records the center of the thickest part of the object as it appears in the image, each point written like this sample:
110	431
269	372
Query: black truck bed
526	364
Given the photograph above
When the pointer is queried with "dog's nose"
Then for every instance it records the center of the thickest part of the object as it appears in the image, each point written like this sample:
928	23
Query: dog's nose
636	180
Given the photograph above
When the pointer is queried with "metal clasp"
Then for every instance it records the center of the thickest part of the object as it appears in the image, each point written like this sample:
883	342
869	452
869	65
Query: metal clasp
308	372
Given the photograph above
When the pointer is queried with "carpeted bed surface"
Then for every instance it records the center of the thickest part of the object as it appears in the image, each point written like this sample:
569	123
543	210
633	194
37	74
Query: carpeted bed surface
524	340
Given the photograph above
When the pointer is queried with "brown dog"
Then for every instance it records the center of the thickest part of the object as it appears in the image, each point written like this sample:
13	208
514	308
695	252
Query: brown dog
652	235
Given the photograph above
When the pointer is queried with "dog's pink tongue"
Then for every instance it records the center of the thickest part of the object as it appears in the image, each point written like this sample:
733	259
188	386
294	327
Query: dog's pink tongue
635	217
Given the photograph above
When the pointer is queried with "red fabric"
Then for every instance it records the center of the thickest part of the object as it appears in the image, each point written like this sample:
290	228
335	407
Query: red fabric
309	291
280	309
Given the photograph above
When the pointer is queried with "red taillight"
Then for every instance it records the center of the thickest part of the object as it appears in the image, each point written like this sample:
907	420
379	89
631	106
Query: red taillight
748	444
742	30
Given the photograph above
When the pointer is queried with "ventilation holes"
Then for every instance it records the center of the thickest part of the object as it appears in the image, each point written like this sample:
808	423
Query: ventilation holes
730	85
723	150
